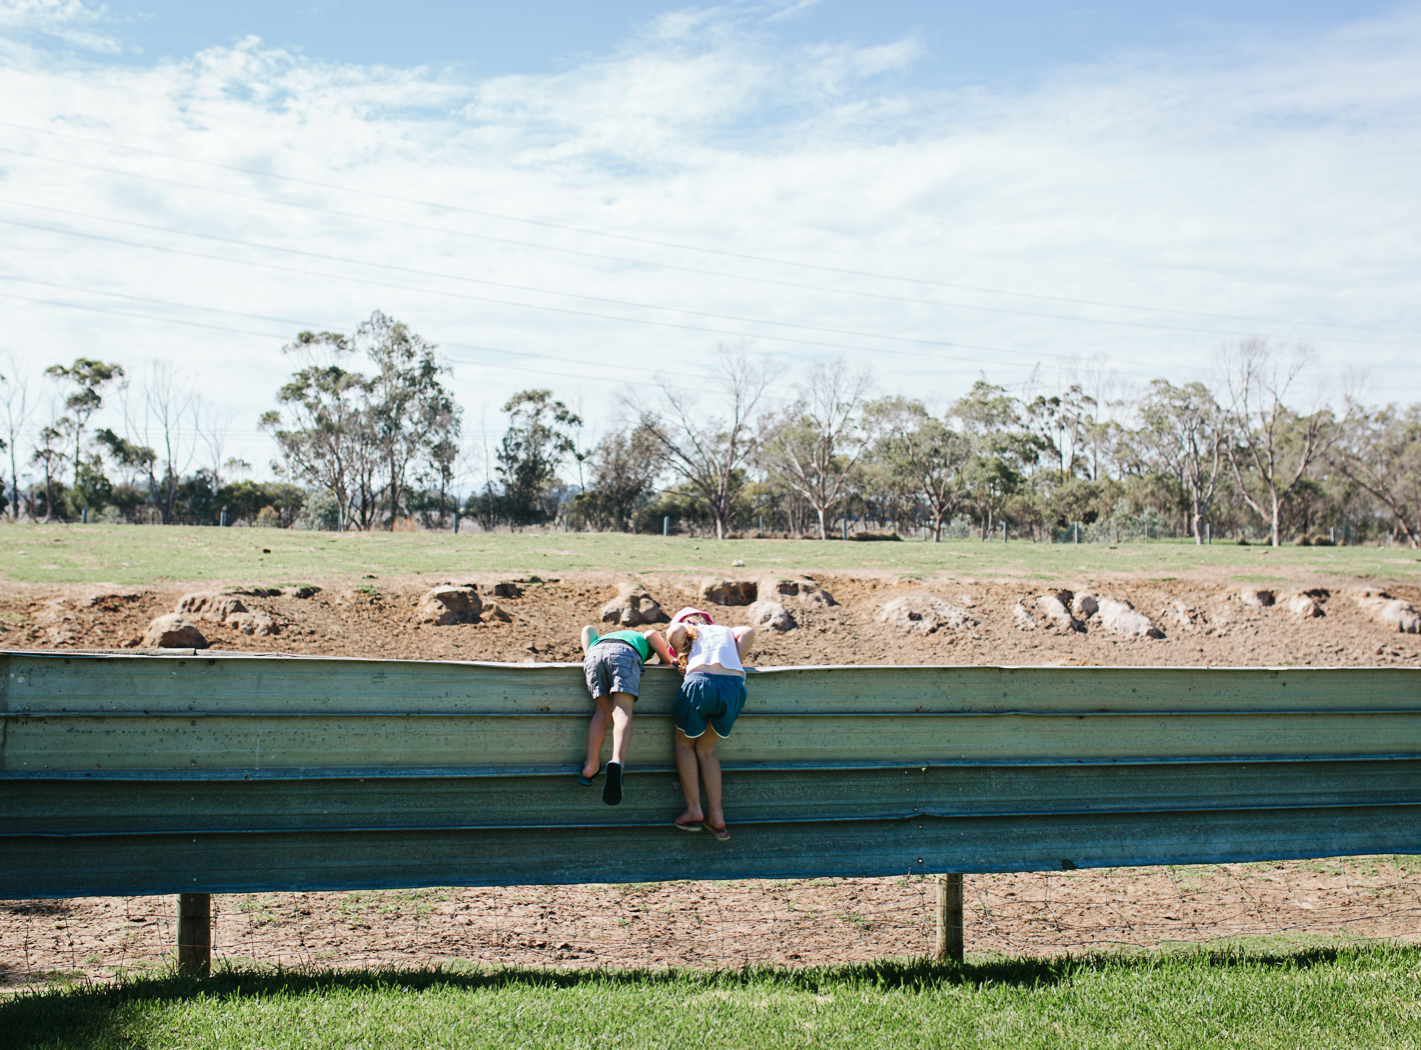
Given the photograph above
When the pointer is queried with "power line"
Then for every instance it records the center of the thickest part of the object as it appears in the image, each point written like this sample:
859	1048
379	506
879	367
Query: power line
561	373
623	302
681	246
531	306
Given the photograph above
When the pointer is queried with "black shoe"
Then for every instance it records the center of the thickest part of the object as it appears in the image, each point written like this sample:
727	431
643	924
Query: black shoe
612	790
583	780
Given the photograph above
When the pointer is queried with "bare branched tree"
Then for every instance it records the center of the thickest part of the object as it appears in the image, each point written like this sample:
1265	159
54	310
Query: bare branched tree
1272	446
15	411
1380	451
815	445
710	450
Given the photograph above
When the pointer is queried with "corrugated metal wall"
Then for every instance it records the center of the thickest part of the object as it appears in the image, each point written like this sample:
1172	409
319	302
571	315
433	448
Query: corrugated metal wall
135	774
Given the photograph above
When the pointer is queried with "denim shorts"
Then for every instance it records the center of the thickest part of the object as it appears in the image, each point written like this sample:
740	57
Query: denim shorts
612	667
708	699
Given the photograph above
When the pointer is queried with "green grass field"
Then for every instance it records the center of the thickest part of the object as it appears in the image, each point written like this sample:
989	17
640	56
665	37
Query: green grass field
136	555
1314	998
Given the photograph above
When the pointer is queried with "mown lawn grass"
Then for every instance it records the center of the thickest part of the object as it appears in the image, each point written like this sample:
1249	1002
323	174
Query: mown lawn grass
1367	996
145	554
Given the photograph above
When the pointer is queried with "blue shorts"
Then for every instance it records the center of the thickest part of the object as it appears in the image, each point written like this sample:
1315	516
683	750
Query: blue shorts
708	699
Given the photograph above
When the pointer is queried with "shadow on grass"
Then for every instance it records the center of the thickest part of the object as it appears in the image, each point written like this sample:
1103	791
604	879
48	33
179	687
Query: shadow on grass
87	1015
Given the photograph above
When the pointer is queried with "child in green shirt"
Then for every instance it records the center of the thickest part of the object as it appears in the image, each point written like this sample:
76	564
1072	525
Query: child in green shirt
612	665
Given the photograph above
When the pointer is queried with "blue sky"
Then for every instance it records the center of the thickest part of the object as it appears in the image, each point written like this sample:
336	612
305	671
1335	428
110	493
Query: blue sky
963	43
578	195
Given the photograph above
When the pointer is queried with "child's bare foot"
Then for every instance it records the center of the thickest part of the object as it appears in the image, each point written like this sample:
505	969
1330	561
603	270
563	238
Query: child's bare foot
690	820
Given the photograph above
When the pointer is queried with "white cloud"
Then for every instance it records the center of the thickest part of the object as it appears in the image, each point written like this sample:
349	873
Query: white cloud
71	21
1271	181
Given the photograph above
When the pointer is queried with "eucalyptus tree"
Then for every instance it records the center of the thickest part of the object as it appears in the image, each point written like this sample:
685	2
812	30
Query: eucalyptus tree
625	467
322	428
1188	431
923	455
85	380
816	443
1002	448
535	443
411	415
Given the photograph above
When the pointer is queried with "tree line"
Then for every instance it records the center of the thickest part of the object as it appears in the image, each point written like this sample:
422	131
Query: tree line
368	435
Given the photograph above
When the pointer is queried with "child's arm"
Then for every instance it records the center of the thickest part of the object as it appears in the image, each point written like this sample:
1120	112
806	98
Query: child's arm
589	638
744	640
658	643
676	637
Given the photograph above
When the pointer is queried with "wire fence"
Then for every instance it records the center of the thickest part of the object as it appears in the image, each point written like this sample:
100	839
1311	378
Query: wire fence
722	924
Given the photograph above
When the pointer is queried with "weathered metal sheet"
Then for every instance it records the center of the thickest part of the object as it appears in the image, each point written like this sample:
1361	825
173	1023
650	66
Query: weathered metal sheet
143	774
67	807
267	862
219	741
146	684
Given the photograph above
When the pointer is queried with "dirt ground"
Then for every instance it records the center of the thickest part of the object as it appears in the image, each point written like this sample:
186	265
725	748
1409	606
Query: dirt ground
1205	622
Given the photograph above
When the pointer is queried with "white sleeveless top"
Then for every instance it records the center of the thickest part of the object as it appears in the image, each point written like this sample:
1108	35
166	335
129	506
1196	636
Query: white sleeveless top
714	644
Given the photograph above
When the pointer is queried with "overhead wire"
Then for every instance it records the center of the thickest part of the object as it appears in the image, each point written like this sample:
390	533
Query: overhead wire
154	227
562	373
744	256
936	356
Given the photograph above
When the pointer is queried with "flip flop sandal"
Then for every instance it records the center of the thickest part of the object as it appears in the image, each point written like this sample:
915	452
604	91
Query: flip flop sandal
694	825
722	833
612	790
586	781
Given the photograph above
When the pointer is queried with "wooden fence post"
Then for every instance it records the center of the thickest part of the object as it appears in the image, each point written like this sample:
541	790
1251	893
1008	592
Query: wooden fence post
949	918
195	934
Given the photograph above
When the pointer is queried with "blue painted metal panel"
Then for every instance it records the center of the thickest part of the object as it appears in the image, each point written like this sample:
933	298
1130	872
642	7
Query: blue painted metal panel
137	774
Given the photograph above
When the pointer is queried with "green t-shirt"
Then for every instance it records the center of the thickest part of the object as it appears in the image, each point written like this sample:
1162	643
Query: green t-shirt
635	639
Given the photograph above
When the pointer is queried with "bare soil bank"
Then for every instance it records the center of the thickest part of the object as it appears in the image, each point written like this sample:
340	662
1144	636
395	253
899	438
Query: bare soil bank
1205	623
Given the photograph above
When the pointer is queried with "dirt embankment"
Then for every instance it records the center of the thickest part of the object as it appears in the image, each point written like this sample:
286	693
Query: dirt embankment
831	620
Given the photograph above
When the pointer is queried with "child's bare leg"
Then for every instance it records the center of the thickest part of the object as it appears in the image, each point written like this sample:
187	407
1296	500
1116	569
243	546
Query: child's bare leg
689	772
596	733
621	725
710	773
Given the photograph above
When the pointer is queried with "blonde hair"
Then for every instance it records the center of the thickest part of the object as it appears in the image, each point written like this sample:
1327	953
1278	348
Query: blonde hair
689	626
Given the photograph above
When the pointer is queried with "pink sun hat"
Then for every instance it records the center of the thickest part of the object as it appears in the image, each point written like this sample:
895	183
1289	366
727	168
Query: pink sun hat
688	611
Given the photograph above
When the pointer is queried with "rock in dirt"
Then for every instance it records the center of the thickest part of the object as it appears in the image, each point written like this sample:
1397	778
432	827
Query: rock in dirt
803	589
302	591
1121	618
173	631
923	614
492	611
1304	607
1390	612
211	606
633	607
1084	606
507	589
1055	608
770	614
727	592
1186	615
256	623
1257	597
443	606
1021	617
227	609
